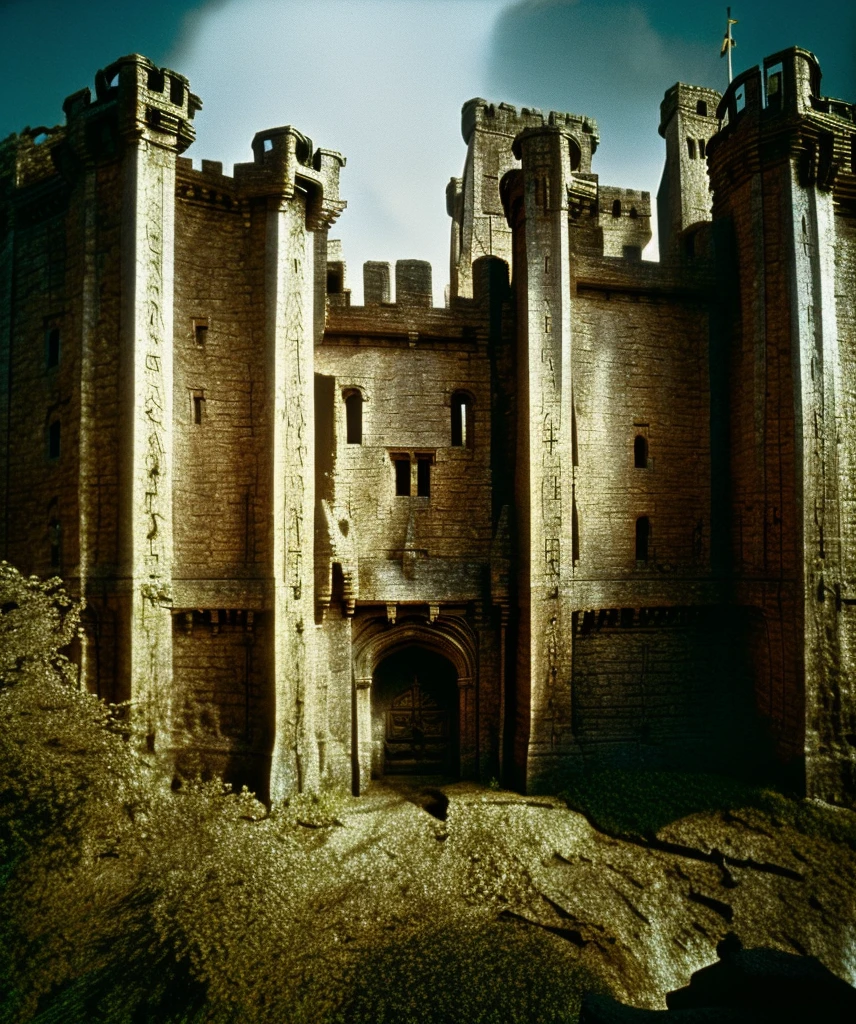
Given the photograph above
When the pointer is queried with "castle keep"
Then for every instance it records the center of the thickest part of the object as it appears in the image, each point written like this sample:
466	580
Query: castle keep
595	511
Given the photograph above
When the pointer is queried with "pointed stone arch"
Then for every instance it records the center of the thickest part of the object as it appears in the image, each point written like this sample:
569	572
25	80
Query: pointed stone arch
451	637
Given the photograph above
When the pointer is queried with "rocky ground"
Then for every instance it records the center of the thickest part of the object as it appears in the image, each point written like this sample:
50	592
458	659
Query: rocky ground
449	896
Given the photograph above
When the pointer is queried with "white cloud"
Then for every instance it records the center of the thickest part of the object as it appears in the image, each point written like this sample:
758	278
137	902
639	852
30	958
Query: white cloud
381	81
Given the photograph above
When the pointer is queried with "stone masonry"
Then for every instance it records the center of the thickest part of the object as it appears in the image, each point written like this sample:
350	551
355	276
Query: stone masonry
595	511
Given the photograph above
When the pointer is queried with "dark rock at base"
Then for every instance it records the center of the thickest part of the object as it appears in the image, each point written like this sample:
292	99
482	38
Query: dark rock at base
746	986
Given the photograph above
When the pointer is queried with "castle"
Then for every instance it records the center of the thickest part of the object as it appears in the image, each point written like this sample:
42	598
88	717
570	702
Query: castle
595	511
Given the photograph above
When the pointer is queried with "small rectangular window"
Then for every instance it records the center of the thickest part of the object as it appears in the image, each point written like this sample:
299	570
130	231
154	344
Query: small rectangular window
354	417
643	537
462	420
200	331
53	347
155	80
773	87
176	91
691	148
53	440
423	476
198	403
402	476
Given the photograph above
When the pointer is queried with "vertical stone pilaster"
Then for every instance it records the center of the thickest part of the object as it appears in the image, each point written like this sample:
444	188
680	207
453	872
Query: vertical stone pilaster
290	335
146	494
363	732
544	451
829	699
87	463
301	191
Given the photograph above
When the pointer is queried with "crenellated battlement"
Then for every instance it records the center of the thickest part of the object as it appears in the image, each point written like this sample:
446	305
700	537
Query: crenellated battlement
142	100
506	119
691	101
284	159
27	157
781	99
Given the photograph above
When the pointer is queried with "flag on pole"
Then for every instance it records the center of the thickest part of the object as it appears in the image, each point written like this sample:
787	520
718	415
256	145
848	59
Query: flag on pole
728	41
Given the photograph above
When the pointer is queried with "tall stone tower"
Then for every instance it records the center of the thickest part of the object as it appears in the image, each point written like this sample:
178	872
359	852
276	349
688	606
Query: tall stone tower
164	496
479	227
687	122
783	174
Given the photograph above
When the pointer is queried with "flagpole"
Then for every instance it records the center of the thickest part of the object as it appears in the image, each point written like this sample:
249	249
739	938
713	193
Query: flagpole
728	37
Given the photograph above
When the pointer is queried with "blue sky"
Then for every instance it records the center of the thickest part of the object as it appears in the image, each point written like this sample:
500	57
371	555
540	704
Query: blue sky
383	80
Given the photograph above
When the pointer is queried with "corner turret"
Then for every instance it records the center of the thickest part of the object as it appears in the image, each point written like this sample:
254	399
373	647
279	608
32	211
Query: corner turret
479	227
688	121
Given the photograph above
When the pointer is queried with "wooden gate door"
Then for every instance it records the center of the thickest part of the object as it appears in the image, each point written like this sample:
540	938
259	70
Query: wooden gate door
417	738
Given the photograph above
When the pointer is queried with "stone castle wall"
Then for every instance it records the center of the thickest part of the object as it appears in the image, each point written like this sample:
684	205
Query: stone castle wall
615	496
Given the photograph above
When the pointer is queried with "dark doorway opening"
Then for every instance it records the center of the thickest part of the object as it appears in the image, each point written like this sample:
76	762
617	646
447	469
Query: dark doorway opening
414	715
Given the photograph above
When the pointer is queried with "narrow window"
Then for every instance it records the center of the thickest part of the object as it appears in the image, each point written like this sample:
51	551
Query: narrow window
616	208
423	476
701	108
53	440
774	87
402	476
155	80
53	347
54	537
643	534
640	452
701	148
691	148
354	417
198	406
462	420
176	91
633	212
200	332
335	279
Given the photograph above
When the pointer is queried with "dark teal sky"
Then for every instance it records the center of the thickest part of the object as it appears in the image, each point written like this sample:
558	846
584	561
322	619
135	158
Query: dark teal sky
383	80
51	48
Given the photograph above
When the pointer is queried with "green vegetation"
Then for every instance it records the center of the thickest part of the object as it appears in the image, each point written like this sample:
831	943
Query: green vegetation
125	902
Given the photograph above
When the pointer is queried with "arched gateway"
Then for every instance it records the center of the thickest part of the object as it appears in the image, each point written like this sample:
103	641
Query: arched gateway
414	693
414	714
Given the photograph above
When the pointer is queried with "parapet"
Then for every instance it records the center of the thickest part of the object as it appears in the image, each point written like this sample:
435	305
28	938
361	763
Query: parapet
783	96
790	85
413	283
505	119
151	102
284	159
338	293
376	281
27	158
